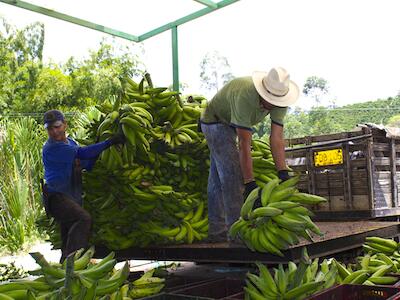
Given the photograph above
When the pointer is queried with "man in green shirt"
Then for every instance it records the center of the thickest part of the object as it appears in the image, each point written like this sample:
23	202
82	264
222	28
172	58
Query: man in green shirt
230	115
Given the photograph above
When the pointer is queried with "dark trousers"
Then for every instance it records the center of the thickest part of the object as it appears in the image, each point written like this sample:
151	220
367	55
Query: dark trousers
75	222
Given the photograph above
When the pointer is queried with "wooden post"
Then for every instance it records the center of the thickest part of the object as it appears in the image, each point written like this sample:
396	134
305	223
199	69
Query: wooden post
393	171
369	156
310	167
348	197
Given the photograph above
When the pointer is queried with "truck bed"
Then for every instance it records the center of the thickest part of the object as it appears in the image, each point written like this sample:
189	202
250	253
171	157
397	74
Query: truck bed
338	237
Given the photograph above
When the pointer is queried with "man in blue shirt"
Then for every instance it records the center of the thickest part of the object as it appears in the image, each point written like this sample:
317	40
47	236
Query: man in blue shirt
63	161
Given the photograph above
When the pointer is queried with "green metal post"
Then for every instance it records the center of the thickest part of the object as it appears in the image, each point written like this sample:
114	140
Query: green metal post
175	62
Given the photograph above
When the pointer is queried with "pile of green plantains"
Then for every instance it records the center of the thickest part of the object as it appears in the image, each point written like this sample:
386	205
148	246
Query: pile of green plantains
152	189
78	278
292	282
11	271
380	265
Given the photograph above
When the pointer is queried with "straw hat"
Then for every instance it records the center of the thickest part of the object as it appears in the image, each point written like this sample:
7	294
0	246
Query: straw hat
276	87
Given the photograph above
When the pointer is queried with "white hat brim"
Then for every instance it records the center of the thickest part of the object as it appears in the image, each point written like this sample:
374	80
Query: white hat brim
290	98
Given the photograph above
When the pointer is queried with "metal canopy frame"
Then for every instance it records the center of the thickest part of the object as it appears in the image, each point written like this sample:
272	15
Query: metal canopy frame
173	26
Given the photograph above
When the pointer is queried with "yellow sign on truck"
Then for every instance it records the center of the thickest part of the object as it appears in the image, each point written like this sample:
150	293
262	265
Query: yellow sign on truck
328	157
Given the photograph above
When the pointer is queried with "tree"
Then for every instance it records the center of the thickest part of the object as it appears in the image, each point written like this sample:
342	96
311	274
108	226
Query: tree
29	85
20	62
296	124
315	87
215	71
97	77
394	121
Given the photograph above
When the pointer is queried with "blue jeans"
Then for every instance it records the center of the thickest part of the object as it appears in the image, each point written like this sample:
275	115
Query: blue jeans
225	181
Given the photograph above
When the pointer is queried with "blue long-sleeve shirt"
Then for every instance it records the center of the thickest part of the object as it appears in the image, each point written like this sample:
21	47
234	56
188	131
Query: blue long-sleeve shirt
61	173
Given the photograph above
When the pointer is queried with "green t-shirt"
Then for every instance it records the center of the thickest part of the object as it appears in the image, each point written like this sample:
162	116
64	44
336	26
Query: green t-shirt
238	104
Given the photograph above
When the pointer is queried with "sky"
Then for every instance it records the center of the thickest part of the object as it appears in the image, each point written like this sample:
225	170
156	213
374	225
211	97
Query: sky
353	44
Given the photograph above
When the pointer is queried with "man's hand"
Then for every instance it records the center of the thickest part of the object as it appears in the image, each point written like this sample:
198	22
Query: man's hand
118	138
283	175
248	187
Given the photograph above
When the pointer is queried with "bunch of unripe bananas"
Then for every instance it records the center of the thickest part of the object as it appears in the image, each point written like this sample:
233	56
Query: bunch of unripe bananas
380	261
279	221
293	282
11	271
82	280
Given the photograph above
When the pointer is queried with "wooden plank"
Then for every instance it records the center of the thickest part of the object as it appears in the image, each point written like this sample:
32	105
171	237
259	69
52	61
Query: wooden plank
359	162
329	192
328	175
360	201
359	172
328	143
295	141
327	184
385	161
357	147
381	147
382	161
360	183
382	175
336	136
394	189
360	191
323	138
338	202
357	184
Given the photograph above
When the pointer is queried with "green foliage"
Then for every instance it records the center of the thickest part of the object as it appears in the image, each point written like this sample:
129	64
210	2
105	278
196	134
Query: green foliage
20	62
21	168
96	78
394	121
325	120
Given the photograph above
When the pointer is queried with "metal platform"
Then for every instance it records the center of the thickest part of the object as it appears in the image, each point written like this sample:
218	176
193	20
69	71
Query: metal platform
354	215
338	237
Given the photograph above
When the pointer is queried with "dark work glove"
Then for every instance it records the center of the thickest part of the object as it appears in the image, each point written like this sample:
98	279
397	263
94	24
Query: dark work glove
248	188
283	175
199	126
118	138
